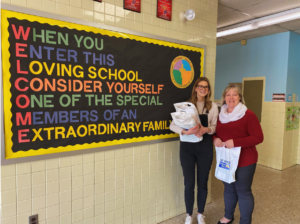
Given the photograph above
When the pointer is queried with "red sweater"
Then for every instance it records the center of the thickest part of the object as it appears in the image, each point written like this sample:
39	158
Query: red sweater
246	133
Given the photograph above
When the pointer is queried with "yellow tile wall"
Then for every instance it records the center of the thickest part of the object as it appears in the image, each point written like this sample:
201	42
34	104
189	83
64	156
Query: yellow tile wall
297	138
290	149
125	186
270	152
298	161
297	104
298	155
280	148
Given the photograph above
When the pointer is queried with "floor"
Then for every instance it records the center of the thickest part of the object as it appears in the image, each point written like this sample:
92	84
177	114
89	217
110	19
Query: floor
276	193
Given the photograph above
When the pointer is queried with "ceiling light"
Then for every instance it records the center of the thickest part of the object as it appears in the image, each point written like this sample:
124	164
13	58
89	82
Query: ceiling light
260	22
187	15
235	30
279	19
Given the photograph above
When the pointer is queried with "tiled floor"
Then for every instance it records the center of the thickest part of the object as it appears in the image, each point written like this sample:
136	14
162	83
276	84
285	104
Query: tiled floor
276	193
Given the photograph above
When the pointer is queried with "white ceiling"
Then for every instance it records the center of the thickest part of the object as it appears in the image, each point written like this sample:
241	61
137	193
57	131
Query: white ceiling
232	12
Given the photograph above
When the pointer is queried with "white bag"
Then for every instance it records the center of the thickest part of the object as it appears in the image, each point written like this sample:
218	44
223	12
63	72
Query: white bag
184	120
186	117
227	162
187	107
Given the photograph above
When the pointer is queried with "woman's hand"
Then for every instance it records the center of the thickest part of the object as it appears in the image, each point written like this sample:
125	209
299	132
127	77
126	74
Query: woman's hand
191	131
229	144
202	131
218	142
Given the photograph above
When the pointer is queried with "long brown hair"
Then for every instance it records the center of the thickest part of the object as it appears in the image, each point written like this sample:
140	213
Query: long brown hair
194	99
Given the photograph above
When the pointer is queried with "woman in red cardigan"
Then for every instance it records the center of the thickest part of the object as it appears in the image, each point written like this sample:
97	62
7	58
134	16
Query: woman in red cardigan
238	126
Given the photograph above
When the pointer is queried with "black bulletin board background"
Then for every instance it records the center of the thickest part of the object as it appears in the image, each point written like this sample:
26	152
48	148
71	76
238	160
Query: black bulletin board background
152	62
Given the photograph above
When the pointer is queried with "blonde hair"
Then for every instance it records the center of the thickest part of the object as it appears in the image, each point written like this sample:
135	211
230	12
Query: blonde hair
194	99
237	89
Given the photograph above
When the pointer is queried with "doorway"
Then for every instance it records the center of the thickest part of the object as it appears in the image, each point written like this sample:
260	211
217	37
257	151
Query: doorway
253	91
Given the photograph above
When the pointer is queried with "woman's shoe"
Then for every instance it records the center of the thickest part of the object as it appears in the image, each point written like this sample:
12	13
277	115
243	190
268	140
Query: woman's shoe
200	219
188	220
231	221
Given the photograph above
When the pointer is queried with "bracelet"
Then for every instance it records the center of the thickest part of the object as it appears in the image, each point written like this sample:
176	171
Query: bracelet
211	130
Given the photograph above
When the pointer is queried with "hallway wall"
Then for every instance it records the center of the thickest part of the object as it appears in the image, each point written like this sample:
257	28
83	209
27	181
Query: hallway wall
261	57
291	138
280	148
129	185
293	77
271	150
298	162
290	149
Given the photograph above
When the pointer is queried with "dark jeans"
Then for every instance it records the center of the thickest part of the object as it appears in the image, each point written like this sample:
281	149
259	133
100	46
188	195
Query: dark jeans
200	153
240	191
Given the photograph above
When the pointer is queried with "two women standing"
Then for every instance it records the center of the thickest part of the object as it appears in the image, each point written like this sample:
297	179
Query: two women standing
236	126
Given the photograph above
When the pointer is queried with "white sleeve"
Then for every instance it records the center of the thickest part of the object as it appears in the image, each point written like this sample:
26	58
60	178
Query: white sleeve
175	128
213	123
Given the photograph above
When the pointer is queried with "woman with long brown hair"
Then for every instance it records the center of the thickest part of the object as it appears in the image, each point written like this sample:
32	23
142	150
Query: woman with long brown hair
198	153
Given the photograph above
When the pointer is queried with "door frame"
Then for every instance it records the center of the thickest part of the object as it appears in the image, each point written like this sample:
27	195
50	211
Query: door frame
263	78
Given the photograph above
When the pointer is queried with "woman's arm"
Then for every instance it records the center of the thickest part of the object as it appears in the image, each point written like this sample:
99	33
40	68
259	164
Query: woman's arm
181	131
255	134
217	140
175	128
213	123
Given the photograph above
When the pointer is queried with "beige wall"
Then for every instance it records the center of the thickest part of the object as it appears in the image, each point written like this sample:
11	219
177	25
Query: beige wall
280	148
129	185
291	139
271	150
298	162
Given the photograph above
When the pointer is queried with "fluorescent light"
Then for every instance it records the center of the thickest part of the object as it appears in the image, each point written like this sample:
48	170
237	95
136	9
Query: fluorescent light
279	19
235	30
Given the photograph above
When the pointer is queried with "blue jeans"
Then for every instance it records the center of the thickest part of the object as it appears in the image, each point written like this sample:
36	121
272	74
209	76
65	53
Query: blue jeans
240	191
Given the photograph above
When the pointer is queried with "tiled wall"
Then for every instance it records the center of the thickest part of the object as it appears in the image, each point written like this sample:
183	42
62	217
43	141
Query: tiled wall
131	185
280	148
298	162
298	155
124	186
290	148
270	152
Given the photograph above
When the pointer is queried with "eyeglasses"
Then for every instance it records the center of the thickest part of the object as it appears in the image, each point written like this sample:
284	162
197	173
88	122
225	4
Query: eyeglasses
202	87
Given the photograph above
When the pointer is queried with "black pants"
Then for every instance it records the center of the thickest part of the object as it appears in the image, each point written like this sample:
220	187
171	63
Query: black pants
192	154
240	191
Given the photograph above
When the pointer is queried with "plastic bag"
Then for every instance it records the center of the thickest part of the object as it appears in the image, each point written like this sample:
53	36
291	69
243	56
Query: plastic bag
184	120
227	162
187	107
186	117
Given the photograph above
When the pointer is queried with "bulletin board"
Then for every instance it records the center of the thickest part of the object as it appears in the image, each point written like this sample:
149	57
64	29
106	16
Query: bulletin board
292	118
70	86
